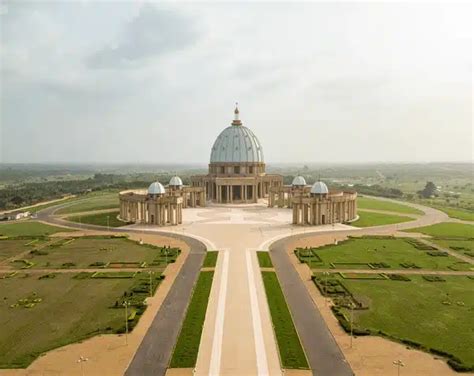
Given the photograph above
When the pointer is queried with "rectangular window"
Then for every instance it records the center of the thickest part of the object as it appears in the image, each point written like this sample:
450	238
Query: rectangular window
236	169
251	170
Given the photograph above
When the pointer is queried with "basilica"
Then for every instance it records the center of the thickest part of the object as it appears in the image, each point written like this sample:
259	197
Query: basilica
237	176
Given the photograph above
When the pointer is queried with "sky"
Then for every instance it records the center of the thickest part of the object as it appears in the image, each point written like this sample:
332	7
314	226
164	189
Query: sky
119	82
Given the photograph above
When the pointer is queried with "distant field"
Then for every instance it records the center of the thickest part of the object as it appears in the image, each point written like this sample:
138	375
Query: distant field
459	230
99	219
368	219
29	228
70	310
378	252
292	355
371	203
186	349
436	315
97	201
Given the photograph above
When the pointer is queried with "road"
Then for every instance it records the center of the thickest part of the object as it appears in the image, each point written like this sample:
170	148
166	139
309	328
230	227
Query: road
232	341
154	353
323	353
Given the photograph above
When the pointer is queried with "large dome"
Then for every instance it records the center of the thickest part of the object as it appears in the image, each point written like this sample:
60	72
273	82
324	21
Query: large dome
236	144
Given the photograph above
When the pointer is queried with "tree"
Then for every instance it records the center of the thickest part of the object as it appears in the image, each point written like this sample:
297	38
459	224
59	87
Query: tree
429	190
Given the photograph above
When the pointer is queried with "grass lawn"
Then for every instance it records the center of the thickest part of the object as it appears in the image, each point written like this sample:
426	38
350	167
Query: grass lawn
371	203
291	352
70	310
463	214
446	230
29	228
368	219
93	201
86	251
99	219
357	253
211	259
415	311
264	259
186	349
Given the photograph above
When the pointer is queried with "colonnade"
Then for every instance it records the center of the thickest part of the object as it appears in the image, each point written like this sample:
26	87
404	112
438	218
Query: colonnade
160	210
282	197
236	193
324	210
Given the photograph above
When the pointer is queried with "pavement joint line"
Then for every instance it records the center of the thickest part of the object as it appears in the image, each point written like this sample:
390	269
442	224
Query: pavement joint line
261	355
216	352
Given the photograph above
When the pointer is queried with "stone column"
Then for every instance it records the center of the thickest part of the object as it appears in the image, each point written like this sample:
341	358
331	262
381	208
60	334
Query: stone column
174	217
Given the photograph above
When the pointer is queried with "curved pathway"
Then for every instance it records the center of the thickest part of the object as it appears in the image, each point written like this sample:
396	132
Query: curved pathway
155	350
238	337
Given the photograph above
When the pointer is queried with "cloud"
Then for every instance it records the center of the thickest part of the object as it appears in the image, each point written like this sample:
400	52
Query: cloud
153	33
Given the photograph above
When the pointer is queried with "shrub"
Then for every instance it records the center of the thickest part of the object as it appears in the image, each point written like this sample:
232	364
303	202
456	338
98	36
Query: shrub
82	275
38	252
346	325
399	277
458	366
47	276
433	278
98	263
379	265
409	265
438	253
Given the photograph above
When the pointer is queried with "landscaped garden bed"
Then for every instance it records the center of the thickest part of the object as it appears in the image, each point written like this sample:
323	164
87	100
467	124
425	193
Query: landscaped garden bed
437	308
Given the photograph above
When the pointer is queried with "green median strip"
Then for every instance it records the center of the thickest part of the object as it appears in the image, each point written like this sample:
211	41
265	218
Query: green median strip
292	355
186	349
210	260
264	259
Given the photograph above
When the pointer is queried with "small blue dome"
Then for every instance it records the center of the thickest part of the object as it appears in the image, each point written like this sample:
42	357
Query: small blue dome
156	188
298	181
319	188
176	182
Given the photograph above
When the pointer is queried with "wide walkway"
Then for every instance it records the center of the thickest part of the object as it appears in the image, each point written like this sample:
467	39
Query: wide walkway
238	336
